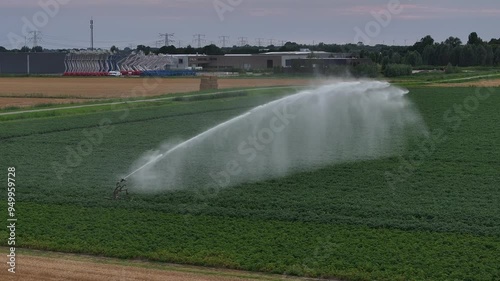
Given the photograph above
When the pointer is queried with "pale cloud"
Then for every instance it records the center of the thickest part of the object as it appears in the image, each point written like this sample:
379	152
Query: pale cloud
265	12
420	12
291	20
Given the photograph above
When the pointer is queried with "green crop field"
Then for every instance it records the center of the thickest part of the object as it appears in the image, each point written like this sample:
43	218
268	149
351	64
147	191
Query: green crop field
431	214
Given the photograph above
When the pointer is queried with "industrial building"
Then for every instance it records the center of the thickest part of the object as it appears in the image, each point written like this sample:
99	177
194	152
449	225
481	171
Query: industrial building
32	63
327	62
188	61
271	60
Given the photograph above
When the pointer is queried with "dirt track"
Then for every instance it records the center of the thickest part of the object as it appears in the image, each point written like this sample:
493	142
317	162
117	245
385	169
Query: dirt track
482	83
22	102
23	91
77	268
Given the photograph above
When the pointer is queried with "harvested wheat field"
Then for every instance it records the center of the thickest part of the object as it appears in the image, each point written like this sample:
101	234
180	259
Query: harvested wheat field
21	91
62	267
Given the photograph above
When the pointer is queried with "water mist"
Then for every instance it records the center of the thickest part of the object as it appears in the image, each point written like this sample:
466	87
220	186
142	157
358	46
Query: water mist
335	123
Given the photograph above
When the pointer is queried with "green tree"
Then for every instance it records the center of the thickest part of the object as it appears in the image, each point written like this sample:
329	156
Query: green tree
37	49
376	57
426	41
145	49
490	56
2	49
396	58
189	50
455	55
414	58
167	50
366	70
467	56
113	49
474	39
451	69
212	50
429	55
481	55
385	61
247	49
453	41
290	47
496	59
444	54
395	70
494	41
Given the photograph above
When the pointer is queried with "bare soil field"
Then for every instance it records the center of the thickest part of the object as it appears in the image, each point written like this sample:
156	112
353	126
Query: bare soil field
22	91
59	266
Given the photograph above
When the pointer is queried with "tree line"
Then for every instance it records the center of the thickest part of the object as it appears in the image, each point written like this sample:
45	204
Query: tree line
452	51
426	52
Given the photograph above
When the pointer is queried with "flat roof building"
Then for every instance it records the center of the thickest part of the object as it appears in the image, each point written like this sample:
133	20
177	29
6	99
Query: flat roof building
271	60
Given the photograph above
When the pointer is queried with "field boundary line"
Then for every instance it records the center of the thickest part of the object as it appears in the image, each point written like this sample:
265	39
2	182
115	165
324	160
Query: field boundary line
470	78
156	265
463	79
142	101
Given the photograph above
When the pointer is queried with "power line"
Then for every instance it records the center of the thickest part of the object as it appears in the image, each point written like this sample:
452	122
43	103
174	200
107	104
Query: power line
35	37
199	39
243	41
259	41
52	42
168	37
97	41
224	40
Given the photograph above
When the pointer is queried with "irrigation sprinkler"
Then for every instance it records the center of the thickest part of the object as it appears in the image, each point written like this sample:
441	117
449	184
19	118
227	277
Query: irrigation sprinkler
120	187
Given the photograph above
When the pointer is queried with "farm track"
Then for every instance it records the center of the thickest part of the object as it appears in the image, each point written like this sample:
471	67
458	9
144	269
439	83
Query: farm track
468	78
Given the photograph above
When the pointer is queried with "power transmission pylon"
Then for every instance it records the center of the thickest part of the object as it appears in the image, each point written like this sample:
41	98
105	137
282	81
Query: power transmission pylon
35	37
243	41
224	40
167	37
199	39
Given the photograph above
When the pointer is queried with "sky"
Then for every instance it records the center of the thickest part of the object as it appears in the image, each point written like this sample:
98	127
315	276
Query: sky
128	23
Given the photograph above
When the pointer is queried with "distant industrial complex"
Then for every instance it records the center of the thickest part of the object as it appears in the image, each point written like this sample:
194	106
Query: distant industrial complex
105	63
92	62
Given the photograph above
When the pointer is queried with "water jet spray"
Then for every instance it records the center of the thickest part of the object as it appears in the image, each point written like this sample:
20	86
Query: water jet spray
335	123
